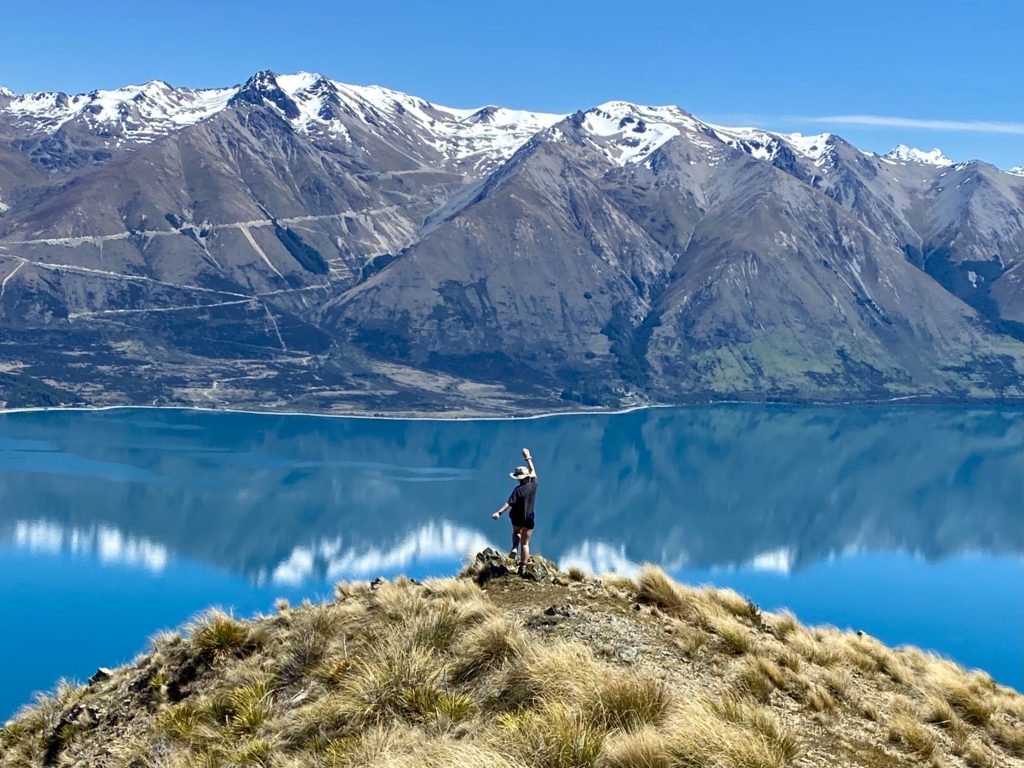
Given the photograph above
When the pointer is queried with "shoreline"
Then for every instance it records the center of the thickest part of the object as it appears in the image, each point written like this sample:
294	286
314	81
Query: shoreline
903	401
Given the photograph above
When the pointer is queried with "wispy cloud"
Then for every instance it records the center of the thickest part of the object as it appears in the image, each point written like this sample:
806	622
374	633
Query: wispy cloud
889	121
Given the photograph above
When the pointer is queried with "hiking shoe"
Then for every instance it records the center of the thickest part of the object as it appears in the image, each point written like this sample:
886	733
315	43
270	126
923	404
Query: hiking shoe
521	569
513	555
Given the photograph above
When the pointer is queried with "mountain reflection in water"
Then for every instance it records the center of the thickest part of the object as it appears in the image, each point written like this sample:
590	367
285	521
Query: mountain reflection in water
907	521
300	498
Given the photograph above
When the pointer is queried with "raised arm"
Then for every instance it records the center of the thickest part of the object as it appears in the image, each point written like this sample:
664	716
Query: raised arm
529	462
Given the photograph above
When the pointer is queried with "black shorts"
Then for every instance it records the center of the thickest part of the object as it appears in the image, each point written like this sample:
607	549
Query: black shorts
521	521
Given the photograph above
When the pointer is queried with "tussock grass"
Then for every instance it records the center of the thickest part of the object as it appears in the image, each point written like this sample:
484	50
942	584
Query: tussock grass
690	640
655	588
869	710
453	589
489	646
629	701
818	698
646	748
782	624
837	682
439	675
576	573
1009	737
218	634
732	734
976	754
558	672
968	702
907	731
620	583
735	637
553	736
376	690
760	676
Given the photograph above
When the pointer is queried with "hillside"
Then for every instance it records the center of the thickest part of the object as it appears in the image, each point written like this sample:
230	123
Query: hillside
294	242
557	669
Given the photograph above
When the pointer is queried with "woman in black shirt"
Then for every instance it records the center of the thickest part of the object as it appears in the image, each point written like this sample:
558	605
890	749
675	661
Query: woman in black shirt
521	504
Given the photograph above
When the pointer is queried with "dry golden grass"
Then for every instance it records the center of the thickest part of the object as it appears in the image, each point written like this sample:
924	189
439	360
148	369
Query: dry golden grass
438	675
654	587
735	637
760	677
782	624
907	731
629	701
488	647
731	733
646	748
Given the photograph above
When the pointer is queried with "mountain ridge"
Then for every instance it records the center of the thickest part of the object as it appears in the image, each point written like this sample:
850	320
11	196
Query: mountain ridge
296	234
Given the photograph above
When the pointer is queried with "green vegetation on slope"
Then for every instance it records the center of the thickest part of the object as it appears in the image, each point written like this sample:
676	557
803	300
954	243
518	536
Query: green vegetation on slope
563	672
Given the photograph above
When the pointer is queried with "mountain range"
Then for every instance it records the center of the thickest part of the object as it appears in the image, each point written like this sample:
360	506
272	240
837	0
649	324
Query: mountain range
296	242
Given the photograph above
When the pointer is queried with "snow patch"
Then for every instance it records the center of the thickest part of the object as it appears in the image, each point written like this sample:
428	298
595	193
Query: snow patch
629	133
1017	170
143	112
905	154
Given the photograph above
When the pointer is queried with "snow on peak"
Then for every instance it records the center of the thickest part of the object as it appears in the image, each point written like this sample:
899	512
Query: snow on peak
905	154
766	145
1017	170
816	147
6	91
628	133
145	111
480	136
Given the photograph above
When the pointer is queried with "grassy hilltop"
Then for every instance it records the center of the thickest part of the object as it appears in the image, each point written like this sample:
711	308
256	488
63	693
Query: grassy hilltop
563	671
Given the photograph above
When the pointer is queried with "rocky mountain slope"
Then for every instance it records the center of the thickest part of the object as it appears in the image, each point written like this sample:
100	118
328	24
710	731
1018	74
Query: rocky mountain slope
299	242
552	670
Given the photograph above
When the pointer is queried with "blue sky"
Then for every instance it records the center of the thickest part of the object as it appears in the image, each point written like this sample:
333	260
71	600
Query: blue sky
939	73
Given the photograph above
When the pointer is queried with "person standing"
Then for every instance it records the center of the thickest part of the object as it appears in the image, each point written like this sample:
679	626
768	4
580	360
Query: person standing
521	506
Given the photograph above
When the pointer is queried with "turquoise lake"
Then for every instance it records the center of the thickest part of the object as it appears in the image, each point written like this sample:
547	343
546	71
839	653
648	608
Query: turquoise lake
904	522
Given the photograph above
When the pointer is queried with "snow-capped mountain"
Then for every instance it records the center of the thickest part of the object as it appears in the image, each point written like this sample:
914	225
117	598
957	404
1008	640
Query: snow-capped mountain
904	154
138	113
295	237
313	104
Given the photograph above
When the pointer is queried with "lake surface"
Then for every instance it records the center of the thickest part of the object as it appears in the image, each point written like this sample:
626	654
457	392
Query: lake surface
905	522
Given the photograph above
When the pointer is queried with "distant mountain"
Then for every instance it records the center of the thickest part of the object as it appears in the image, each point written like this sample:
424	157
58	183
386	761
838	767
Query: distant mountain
298	242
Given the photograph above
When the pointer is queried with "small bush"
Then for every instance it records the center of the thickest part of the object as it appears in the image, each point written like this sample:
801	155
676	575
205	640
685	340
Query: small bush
577	574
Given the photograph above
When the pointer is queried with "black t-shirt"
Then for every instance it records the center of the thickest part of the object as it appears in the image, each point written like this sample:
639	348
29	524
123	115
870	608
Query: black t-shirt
521	500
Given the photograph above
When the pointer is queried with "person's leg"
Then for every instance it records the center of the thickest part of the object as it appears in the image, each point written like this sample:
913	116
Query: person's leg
524	545
515	542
